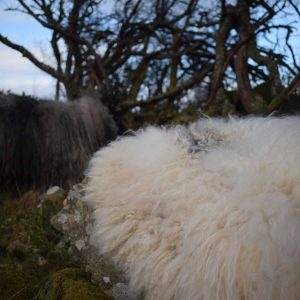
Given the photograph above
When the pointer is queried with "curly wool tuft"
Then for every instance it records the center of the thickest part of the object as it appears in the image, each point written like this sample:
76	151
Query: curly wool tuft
209	211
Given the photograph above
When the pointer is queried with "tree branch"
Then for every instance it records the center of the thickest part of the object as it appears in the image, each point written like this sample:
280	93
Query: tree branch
46	68
198	77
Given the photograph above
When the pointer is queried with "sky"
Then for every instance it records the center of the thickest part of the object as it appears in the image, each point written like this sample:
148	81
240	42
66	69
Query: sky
19	75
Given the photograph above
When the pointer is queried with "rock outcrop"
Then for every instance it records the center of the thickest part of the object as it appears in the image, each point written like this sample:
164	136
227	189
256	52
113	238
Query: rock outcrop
74	221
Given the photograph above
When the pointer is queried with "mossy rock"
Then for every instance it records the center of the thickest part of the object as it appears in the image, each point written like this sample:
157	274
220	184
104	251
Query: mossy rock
28	245
29	255
71	284
25	223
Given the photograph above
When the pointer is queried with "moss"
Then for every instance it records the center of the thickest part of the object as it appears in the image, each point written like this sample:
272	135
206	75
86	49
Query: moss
72	284
28	252
16	283
29	255
22	220
46	211
212	110
186	116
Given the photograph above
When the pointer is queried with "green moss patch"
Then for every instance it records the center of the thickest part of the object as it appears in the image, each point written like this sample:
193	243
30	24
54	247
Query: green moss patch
28	245
72	284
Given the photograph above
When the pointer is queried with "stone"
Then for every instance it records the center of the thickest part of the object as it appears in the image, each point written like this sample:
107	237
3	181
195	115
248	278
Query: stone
75	223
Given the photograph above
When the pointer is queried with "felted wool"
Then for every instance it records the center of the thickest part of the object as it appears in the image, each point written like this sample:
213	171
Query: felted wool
209	212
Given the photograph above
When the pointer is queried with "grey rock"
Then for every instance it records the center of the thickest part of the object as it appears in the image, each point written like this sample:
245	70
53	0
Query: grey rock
75	222
54	195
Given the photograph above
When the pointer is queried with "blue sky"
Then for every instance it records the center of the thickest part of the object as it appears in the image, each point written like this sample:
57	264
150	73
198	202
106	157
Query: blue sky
17	73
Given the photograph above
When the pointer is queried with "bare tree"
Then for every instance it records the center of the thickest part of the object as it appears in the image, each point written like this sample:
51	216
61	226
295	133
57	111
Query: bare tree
149	55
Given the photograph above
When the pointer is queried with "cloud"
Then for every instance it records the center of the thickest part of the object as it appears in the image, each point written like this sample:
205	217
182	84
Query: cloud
19	75
35	86
16	72
12	61
11	17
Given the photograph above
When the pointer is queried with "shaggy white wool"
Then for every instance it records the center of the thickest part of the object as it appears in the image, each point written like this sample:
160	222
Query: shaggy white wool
207	212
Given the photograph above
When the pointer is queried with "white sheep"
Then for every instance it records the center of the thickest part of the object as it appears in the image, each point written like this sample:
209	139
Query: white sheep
205	212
